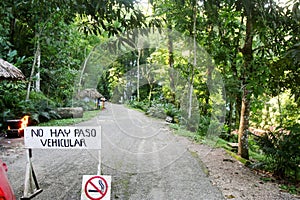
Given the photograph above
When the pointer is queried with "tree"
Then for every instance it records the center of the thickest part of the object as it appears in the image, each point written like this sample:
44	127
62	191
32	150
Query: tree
247	37
30	24
181	16
257	24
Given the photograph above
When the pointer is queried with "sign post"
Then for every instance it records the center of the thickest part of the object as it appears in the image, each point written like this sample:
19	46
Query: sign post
31	184
57	138
99	164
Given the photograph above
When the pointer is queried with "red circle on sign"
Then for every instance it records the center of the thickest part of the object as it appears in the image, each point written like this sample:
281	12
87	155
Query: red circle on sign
95	188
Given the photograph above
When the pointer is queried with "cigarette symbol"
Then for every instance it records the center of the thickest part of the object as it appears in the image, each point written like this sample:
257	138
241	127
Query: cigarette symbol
101	185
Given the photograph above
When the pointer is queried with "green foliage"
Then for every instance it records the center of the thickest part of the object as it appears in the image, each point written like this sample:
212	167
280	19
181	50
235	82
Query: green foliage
11	95
14	106
140	105
203	125
39	108
162	110
227	135
282	150
62	56
87	106
157	110
293	189
103	85
282	110
183	132
290	113
109	17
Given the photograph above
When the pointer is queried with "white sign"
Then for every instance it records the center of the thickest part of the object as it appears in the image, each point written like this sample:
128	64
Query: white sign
96	187
62	137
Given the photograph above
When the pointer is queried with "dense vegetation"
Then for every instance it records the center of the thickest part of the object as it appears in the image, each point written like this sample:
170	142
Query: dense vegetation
252	45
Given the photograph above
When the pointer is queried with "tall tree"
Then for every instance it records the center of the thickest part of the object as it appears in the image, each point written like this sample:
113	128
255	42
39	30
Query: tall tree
248	46
257	24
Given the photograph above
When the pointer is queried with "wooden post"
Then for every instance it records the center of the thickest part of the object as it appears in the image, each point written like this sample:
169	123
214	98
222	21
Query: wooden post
31	187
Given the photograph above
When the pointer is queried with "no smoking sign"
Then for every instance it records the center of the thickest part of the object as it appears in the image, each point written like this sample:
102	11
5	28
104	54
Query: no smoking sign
96	187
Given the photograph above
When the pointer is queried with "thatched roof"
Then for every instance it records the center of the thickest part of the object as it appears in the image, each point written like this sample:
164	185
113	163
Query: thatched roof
9	71
90	92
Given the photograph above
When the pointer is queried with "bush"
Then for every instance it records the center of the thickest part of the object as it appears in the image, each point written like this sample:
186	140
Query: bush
141	105
204	123
87	106
162	110
38	107
11	93
157	110
283	151
171	110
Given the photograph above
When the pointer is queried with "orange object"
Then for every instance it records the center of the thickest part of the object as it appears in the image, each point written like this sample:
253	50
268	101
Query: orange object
24	122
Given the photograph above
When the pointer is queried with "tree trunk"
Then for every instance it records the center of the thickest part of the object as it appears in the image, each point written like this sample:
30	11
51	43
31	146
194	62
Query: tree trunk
245	109
12	29
138	75
238	104
171	65
38	66
194	64
244	125
280	110
229	118
84	67
33	67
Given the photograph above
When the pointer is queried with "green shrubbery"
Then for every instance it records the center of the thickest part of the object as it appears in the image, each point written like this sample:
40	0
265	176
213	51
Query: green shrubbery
282	150
14	106
86	106
141	105
157	109
38	107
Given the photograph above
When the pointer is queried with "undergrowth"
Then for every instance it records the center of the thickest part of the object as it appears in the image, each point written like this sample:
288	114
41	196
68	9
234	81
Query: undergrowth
62	122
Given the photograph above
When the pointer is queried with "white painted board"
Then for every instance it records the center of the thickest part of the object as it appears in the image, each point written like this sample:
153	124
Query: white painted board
65	137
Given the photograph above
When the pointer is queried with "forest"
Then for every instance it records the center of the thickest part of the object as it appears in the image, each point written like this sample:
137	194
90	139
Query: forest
213	67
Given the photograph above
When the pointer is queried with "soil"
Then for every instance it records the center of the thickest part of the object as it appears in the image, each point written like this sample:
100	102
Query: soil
234	179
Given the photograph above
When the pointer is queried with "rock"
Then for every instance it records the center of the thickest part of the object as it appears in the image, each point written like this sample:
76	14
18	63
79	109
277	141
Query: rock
169	119
70	112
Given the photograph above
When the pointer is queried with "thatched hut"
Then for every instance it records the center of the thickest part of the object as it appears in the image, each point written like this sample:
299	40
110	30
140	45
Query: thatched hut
89	93
9	71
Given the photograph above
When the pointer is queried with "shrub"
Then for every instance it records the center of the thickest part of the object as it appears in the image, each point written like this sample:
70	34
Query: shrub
38	107
162	110
87	106
141	105
171	110
203	125
283	151
157	110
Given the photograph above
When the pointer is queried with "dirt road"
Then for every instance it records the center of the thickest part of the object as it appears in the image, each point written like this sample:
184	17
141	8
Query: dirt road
145	160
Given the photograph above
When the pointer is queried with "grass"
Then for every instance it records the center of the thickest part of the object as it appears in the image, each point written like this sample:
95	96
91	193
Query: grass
293	189
64	122
203	167
182	132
